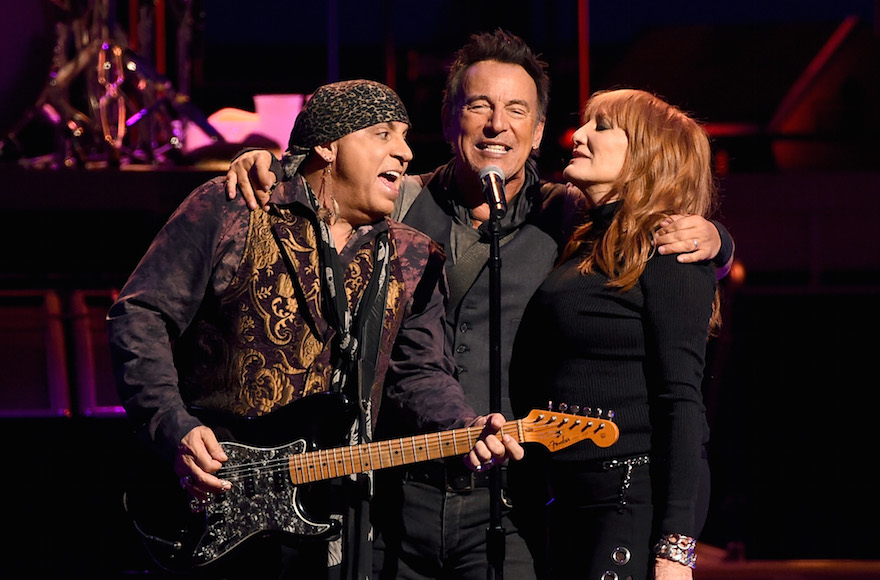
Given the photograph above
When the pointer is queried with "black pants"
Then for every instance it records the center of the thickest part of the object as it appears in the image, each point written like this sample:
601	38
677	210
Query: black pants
423	532
591	535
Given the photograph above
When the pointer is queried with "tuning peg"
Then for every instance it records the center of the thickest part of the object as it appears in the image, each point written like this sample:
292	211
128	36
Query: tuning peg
587	411
563	407
609	415
598	412
549	405
574	409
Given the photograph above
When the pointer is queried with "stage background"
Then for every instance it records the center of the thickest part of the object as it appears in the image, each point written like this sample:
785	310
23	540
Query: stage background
791	379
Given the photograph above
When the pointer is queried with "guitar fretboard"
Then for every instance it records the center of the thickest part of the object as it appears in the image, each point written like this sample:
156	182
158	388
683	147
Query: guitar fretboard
341	461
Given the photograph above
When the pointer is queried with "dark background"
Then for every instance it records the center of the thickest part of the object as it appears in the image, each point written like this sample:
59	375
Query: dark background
789	92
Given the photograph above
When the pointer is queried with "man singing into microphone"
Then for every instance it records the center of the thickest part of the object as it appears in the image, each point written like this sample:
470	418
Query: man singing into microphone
434	515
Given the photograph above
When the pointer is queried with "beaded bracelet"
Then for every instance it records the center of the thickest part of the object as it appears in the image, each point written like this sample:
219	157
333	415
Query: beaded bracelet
678	548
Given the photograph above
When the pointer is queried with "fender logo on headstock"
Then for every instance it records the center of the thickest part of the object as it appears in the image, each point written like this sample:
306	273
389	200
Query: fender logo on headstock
559	430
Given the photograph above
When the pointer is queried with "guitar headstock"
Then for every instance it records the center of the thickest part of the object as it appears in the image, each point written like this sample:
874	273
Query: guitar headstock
555	430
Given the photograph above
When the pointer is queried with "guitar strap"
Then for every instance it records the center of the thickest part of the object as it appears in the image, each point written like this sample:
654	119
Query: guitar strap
355	354
368	331
347	323
355	548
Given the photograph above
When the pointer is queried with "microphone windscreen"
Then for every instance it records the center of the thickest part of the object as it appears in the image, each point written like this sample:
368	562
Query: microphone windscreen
491	169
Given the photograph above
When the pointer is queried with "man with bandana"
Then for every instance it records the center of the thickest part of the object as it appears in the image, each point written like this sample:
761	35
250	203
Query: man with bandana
245	313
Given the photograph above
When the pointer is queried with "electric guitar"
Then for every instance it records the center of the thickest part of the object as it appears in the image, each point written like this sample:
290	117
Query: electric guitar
271	484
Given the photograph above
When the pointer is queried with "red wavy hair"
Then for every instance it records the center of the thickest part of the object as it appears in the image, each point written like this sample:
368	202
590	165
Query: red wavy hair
667	170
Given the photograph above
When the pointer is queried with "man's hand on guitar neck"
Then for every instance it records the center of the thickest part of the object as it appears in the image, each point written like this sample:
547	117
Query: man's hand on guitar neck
199	455
489	450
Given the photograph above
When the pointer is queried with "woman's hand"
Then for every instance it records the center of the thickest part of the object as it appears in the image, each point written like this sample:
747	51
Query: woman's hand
669	570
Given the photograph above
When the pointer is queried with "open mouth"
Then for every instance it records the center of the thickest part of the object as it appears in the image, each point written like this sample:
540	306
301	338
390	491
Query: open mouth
391	178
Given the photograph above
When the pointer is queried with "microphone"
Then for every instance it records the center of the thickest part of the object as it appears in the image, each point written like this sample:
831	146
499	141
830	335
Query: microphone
492	179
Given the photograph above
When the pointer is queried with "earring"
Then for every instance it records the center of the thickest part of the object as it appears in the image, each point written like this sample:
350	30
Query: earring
327	214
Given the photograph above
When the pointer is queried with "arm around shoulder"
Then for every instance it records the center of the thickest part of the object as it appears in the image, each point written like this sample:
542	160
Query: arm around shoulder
724	259
254	172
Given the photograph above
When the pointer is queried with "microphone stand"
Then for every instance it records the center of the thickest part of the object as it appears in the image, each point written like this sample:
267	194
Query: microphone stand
495	534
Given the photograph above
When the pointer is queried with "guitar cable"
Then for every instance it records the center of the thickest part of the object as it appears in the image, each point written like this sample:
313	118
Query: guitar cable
163	541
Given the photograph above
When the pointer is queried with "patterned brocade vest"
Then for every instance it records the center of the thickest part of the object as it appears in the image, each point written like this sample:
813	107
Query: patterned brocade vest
266	342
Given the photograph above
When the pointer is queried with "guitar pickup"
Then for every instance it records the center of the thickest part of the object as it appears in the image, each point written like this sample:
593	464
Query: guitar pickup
249	486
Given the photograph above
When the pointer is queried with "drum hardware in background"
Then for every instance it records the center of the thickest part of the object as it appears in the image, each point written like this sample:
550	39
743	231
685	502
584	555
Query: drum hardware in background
127	112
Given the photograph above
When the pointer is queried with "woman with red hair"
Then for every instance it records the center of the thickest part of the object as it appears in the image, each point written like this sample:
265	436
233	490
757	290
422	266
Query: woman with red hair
617	326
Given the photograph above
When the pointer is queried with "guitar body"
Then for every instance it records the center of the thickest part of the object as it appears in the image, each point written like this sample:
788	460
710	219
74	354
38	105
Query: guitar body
263	500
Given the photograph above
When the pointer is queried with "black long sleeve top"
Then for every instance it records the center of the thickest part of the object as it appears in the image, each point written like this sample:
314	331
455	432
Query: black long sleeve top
639	353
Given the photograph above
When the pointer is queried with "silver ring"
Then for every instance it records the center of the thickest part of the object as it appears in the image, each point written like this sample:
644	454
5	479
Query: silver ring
696	245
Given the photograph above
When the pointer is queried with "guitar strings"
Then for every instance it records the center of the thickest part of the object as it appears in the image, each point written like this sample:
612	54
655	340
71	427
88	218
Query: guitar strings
319	462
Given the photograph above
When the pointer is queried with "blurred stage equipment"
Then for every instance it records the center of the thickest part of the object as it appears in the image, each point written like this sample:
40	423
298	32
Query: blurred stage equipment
26	43
107	104
268	127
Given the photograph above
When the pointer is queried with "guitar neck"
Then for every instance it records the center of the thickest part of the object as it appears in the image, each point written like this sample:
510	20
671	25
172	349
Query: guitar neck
342	461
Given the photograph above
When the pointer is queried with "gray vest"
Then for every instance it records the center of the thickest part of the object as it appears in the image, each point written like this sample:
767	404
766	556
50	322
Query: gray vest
528	254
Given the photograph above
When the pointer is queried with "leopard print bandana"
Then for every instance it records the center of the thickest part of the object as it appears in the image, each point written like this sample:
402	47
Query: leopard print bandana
337	109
